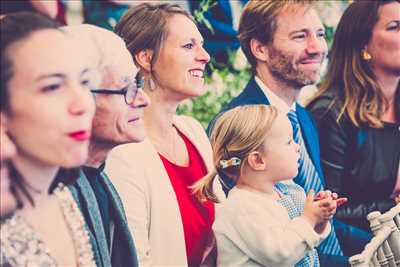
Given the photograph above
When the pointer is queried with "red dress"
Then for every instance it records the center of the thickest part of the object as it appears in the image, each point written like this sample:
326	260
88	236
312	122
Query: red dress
197	217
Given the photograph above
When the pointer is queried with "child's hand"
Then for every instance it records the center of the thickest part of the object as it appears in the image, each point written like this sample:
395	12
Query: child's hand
329	205
322	194
319	211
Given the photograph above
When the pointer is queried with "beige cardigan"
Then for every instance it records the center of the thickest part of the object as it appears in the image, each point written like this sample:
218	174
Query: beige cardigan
150	203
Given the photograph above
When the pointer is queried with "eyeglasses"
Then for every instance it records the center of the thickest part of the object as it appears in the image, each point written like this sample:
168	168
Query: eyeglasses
129	92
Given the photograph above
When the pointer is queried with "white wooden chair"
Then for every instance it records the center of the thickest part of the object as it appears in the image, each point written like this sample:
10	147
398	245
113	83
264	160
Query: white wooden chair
384	249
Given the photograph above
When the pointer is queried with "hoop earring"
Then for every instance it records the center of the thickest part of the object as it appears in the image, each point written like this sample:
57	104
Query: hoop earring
365	55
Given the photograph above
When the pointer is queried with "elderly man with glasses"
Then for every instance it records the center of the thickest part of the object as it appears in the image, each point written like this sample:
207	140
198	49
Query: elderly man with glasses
118	120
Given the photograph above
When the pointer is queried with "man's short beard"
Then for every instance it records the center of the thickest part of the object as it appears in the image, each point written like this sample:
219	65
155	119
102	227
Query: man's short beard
281	67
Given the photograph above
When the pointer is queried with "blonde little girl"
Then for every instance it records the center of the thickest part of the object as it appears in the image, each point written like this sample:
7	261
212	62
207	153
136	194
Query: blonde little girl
267	220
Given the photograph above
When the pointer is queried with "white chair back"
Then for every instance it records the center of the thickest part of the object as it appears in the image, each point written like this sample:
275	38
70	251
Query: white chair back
384	249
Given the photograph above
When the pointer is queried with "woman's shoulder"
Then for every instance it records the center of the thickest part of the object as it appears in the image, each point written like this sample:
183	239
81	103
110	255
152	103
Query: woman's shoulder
188	121
324	101
130	150
325	105
192	128
129	163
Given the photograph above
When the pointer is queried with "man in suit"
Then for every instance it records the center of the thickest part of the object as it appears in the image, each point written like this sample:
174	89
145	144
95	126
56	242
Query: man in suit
284	41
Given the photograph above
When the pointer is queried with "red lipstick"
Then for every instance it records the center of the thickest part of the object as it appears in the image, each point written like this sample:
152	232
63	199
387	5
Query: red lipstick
80	135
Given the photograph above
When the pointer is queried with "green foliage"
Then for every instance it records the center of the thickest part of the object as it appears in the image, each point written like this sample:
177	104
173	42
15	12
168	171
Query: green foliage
329	33
198	14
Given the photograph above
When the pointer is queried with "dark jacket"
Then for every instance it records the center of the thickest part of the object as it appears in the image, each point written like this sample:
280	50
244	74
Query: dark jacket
106	220
356	165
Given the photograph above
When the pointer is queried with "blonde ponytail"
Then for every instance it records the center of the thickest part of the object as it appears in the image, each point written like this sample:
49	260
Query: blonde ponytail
235	134
203	188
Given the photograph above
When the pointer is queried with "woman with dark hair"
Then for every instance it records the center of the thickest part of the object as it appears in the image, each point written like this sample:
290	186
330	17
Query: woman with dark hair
46	100
358	110
169	224
8	202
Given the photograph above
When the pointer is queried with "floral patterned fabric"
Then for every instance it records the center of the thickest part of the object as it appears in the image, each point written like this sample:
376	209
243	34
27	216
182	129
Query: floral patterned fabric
21	245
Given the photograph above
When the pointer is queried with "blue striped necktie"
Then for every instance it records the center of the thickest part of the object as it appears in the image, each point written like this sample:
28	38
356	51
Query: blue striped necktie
308	178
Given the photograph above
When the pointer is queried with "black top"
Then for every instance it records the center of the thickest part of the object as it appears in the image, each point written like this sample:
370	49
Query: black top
359	163
11	6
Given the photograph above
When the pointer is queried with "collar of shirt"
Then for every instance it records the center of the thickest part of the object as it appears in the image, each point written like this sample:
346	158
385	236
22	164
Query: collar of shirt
275	100
92	172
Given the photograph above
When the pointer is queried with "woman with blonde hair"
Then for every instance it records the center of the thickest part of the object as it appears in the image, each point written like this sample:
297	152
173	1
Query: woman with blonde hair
358	110
169	225
267	220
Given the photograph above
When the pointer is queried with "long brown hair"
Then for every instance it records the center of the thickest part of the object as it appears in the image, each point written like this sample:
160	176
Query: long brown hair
349	76
236	133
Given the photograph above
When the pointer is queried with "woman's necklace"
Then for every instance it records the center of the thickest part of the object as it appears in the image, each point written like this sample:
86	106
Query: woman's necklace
76	225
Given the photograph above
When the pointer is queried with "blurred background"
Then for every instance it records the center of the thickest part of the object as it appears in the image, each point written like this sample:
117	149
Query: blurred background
228	71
